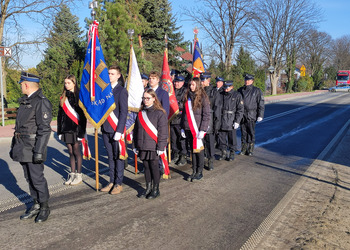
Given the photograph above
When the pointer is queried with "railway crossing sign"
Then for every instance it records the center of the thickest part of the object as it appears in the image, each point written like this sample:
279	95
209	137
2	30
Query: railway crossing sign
5	51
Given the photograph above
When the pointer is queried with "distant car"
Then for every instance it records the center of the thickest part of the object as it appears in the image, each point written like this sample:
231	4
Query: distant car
340	88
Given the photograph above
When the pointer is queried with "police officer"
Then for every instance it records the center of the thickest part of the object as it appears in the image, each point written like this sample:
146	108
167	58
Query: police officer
209	139
145	80
253	112
178	143
29	144
219	83
229	117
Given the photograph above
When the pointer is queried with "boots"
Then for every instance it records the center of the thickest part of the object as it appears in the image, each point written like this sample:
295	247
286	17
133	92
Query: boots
32	211
190	178
175	157
223	155
71	177
182	161
211	164
250	149
244	149
77	180
198	176
44	212
230	156
147	191
155	192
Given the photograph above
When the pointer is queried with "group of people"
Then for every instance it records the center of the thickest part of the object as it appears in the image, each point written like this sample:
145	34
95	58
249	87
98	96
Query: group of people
208	116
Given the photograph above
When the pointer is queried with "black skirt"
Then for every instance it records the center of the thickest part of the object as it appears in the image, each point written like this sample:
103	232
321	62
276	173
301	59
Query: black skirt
146	155
70	138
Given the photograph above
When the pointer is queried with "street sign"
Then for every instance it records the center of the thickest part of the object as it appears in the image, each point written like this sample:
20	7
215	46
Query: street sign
302	70
5	51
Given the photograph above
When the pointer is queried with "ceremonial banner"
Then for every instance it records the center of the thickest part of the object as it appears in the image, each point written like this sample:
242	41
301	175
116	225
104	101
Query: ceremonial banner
197	65
167	85
96	97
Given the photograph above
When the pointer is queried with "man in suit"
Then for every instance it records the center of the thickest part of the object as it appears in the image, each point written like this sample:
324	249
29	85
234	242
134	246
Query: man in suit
162	95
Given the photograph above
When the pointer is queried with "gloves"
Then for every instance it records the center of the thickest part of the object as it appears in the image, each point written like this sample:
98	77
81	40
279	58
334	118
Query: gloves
201	135
259	119
135	151
80	139
183	133
59	137
117	136
38	158
160	152
235	125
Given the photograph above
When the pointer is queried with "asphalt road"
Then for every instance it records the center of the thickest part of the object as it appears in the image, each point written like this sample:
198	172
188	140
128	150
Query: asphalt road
221	211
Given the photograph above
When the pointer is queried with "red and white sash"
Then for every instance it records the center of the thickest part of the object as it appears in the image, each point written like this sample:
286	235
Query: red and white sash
74	116
197	143
113	121
153	133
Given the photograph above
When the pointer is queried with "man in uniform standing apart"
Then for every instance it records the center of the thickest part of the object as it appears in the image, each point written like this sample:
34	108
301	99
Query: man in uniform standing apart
253	112
229	116
29	144
111	137
178	143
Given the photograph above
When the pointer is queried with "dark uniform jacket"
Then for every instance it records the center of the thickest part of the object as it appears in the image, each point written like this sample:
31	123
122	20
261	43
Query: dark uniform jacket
180	97
142	140
201	115
32	130
211	92
230	109
253	102
163	97
121	110
65	124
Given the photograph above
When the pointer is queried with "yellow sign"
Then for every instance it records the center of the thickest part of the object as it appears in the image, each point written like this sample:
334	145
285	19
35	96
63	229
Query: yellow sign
302	70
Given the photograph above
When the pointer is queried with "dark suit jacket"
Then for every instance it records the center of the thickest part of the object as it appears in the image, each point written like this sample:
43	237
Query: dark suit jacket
163	97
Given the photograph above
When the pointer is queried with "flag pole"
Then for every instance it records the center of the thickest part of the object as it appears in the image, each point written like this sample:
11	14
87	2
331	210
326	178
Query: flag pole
96	161
169	140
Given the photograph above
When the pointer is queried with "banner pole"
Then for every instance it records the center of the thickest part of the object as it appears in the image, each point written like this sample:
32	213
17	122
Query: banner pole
169	145
96	160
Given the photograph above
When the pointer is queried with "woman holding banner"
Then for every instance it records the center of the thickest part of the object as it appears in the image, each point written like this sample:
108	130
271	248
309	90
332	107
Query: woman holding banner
194	123
71	126
150	140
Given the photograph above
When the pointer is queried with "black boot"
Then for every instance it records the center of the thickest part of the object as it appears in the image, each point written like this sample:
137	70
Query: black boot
32	211
250	149
190	178
244	149
155	192
223	155
147	191
230	156
175	157
198	176
211	164
182	161
44	212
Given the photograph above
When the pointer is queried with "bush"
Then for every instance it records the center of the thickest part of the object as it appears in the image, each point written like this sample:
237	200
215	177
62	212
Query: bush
304	83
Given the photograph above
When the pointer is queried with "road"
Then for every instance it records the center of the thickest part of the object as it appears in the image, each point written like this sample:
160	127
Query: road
222	211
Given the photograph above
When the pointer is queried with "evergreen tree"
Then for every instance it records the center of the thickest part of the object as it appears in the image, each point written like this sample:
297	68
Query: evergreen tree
64	55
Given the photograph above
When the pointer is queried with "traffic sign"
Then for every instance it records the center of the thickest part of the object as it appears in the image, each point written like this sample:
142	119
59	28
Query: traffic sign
5	51
302	70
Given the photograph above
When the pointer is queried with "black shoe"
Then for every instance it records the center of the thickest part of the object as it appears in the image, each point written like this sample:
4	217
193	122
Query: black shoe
198	176
211	164
155	192
147	191
190	178
223	155
182	161
44	213
250	149
175	158
244	149
31	212
230	156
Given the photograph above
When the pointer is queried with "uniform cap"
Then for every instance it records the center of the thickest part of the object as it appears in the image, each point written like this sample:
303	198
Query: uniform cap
144	76
172	72
219	78
205	75
179	78
248	77
29	77
227	84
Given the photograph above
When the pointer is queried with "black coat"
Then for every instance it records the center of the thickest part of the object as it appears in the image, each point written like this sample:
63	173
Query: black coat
65	124
32	130
144	142
163	97
121	110
230	110
180	97
253	99
211	93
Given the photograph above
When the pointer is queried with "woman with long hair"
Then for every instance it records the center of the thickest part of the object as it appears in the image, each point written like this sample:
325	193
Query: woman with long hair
194	123
150	140
71	127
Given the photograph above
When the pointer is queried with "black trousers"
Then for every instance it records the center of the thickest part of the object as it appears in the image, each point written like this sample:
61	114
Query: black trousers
209	145
248	131
34	175
197	158
227	139
116	166
178	143
152	171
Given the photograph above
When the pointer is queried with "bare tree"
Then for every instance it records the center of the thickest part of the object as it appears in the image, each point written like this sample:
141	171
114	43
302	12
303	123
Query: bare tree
341	53
275	24
223	22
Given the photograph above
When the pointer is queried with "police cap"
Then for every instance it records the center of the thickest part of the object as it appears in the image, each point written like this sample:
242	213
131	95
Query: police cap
205	75
29	77
144	76
248	77
227	84
179	78
219	78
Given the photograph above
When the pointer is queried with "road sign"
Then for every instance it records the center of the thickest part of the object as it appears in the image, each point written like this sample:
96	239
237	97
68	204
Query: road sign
5	51
302	70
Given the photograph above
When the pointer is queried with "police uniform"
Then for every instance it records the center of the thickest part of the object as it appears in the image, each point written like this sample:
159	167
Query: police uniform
253	110
178	143
29	146
230	113
144	77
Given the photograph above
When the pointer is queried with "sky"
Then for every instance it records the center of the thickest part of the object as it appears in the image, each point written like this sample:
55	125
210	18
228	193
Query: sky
335	21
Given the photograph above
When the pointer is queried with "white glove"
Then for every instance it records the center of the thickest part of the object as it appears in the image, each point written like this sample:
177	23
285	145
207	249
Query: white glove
80	139
259	119
117	136
183	133
136	152
59	137
235	125
160	152
201	135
